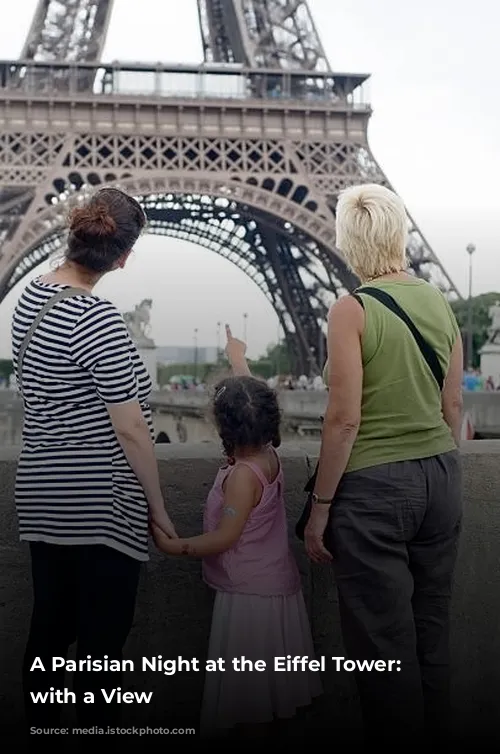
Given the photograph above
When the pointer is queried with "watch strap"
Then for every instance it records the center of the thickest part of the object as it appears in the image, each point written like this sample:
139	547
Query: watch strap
320	500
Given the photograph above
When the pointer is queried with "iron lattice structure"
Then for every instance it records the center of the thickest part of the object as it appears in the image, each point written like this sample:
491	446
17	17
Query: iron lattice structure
244	154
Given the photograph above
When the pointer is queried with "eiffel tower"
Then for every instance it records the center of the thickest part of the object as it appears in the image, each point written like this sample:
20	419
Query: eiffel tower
244	154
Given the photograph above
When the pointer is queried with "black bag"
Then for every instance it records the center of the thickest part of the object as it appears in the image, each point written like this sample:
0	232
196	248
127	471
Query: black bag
428	354
302	522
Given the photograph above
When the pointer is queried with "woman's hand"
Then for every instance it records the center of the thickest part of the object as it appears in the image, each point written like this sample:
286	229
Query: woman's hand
314	533
161	520
164	543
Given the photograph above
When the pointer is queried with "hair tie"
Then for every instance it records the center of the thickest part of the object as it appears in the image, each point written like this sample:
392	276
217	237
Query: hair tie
220	392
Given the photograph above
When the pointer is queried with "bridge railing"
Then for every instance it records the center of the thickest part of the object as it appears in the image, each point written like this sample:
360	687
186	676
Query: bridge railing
181	81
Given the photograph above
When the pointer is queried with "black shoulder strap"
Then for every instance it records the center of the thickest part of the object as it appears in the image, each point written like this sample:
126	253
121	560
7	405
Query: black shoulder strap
426	349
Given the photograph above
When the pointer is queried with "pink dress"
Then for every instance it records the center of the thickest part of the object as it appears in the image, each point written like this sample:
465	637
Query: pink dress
259	614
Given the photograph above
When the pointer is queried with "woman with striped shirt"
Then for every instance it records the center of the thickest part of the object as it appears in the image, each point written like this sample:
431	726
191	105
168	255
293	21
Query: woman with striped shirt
87	478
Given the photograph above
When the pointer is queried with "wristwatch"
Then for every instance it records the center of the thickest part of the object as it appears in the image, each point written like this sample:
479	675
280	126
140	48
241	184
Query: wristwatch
320	500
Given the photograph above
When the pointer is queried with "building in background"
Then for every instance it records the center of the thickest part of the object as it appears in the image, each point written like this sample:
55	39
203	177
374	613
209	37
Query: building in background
166	355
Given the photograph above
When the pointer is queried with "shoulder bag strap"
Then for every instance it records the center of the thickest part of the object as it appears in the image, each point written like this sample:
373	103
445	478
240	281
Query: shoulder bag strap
426	349
64	293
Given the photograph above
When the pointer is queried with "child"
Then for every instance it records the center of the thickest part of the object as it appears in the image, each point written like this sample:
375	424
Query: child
259	611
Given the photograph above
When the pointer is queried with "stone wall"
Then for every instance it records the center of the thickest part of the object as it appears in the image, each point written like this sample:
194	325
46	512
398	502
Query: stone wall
173	613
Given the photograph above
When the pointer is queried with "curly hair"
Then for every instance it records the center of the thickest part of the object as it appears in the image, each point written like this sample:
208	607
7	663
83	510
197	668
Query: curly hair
246	413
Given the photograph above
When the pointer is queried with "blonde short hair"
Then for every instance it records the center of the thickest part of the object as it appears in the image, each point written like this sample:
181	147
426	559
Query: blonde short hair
372	230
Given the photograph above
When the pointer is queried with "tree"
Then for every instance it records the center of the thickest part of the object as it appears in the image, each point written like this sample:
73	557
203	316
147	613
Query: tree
480	320
164	372
6	370
275	361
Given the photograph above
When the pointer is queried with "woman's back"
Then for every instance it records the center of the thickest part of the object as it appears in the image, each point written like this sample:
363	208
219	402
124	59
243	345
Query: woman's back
74	483
64	381
401	415
261	562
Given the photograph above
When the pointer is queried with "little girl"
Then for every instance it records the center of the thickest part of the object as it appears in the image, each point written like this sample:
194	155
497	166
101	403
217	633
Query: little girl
259	611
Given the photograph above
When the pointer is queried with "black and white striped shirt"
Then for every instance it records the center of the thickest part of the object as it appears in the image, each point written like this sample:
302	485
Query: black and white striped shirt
74	484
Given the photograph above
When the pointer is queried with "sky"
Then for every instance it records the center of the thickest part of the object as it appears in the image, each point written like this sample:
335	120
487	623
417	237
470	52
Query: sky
434	130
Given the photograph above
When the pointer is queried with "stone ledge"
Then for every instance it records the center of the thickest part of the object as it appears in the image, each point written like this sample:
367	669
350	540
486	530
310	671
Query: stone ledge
289	450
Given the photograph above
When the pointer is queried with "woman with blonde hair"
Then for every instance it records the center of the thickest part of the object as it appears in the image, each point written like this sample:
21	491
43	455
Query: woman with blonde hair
387	502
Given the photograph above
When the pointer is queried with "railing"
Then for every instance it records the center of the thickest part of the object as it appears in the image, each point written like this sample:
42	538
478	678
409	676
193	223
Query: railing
180	81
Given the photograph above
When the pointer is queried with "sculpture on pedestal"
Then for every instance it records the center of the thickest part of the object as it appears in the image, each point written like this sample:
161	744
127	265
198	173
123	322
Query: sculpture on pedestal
490	352
138	323
494	328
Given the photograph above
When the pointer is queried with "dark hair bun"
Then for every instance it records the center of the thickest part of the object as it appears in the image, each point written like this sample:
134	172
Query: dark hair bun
93	221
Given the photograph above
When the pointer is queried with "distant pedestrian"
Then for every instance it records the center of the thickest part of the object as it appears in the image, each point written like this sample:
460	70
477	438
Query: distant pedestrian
162	438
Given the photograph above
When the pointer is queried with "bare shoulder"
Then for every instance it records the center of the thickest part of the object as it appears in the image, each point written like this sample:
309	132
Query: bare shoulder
346	310
242	488
242	476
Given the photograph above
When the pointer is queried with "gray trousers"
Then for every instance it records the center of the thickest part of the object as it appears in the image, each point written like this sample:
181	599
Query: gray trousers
394	532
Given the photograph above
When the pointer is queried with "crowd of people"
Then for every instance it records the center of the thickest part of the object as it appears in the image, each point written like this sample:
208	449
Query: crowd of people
277	382
474	381
384	507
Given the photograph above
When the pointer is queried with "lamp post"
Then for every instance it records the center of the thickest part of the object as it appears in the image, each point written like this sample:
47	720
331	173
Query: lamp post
219	324
470	251
321	355
278	345
245	318
196	353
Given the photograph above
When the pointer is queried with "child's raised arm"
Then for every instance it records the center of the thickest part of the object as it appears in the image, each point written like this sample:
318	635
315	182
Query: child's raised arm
242	492
235	352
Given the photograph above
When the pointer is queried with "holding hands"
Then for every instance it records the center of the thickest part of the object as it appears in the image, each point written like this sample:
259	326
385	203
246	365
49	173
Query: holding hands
163	542
160	520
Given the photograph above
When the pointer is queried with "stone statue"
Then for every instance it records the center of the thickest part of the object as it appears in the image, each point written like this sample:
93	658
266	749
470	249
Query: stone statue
494	315
138	323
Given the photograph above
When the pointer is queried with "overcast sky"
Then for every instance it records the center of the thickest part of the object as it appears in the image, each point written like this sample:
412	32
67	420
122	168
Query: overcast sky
434	92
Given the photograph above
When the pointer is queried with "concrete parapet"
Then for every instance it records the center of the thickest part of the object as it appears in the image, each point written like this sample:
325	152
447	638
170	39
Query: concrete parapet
174	606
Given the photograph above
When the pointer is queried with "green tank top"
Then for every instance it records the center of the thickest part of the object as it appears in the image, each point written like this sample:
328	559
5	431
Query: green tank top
401	415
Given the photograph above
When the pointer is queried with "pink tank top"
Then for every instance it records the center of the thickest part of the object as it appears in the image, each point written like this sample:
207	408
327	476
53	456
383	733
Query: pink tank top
261	561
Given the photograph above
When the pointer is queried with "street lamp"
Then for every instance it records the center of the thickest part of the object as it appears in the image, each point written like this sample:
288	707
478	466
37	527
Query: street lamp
470	251
219	325
245	318
278	346
321	343
195	352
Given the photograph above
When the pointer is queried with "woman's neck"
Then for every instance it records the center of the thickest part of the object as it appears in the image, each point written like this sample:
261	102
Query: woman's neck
74	275
394	275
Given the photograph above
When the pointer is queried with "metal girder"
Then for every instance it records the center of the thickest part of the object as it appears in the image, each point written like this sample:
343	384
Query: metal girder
246	189
294	273
68	31
261	34
14	203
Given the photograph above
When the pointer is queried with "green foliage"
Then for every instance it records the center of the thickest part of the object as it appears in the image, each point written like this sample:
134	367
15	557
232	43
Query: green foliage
480	320
201	371
6	370
276	360
278	355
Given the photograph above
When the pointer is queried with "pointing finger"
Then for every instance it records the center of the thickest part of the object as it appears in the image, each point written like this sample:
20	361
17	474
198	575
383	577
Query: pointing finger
228	332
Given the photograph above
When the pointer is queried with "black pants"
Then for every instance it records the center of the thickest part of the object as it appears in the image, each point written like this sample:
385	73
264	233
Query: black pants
82	593
394	530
